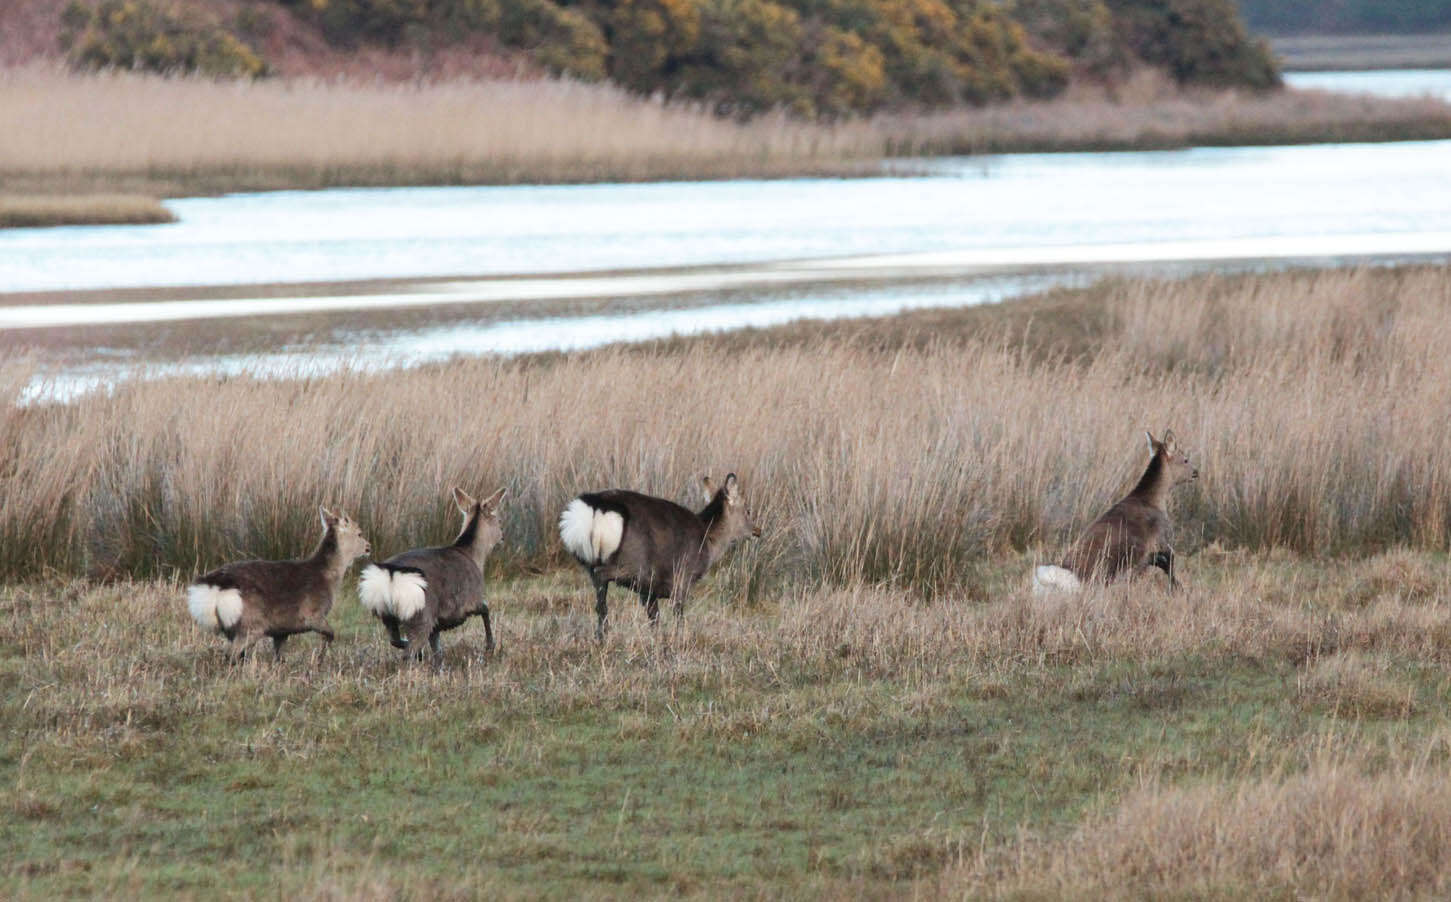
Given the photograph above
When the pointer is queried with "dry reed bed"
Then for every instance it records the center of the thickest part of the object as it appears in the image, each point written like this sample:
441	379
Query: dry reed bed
314	134
1301	397
1149	111
96	132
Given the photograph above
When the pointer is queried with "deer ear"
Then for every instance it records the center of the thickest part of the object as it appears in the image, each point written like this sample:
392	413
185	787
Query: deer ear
463	500
709	488
329	519
494	500
1169	441
1150	436
732	487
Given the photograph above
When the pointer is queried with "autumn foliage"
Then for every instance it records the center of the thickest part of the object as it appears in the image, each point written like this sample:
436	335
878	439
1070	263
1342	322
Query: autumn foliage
812	58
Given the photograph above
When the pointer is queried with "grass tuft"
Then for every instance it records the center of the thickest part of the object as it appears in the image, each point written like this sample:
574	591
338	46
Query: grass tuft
91	209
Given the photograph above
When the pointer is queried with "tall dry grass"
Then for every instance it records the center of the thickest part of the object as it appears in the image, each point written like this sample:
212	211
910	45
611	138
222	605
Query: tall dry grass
125	131
195	132
1333	832
1303	399
1149	111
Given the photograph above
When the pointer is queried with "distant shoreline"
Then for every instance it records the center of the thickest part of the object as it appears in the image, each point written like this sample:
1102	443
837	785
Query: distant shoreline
1319	53
206	138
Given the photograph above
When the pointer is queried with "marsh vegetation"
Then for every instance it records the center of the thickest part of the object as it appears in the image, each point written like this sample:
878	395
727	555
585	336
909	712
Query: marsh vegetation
130	133
868	700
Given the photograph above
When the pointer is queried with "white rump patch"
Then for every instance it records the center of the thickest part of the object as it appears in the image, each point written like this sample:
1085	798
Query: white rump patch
1048	579
588	534
397	594
214	609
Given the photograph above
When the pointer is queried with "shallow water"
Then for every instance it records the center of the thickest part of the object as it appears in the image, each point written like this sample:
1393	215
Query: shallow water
373	352
717	255
1378	83
1003	207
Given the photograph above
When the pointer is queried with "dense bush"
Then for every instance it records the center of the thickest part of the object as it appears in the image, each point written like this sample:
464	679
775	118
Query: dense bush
814	58
1083	30
135	34
1196	41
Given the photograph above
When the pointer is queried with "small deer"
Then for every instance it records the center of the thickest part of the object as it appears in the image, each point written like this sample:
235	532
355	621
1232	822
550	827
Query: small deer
247	600
421	593
1133	535
651	545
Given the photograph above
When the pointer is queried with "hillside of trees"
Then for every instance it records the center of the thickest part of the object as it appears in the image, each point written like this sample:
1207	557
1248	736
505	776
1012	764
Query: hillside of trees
815	58
1347	16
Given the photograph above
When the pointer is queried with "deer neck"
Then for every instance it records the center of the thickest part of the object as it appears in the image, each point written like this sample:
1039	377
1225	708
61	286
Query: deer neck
1153	486
468	538
715	542
328	558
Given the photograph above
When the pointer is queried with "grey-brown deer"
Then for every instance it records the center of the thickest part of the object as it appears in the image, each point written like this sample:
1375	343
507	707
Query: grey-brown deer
247	600
653	546
1133	535
421	593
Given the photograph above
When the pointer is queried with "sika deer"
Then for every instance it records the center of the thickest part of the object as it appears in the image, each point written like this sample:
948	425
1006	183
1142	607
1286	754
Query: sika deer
1133	535
651	545
423	592
247	600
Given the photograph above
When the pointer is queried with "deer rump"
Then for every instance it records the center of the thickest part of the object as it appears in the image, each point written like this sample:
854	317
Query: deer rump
638	541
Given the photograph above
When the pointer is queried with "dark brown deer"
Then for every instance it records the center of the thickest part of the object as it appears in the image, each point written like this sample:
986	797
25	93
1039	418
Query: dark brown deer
1133	535
247	600
651	545
420	593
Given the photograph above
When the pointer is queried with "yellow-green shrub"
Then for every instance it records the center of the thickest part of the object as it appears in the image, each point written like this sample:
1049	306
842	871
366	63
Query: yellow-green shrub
135	34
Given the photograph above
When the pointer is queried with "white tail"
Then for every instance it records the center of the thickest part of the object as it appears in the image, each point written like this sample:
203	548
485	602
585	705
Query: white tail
214	608
1048	579
588	534
394	593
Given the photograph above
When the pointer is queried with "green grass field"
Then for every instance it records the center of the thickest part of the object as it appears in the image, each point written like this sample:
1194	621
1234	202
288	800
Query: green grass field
850	742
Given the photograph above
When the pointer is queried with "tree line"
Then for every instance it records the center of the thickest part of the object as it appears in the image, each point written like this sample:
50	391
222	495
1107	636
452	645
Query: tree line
813	58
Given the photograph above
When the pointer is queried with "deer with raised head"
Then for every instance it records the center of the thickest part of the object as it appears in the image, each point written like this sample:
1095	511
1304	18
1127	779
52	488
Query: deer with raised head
1133	535
653	546
247	600
421	593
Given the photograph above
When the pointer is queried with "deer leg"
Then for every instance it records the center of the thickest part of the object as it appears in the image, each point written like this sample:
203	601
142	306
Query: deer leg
241	644
602	607
417	631
277	643
488	629
652	607
395	638
433	644
320	626
1164	560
